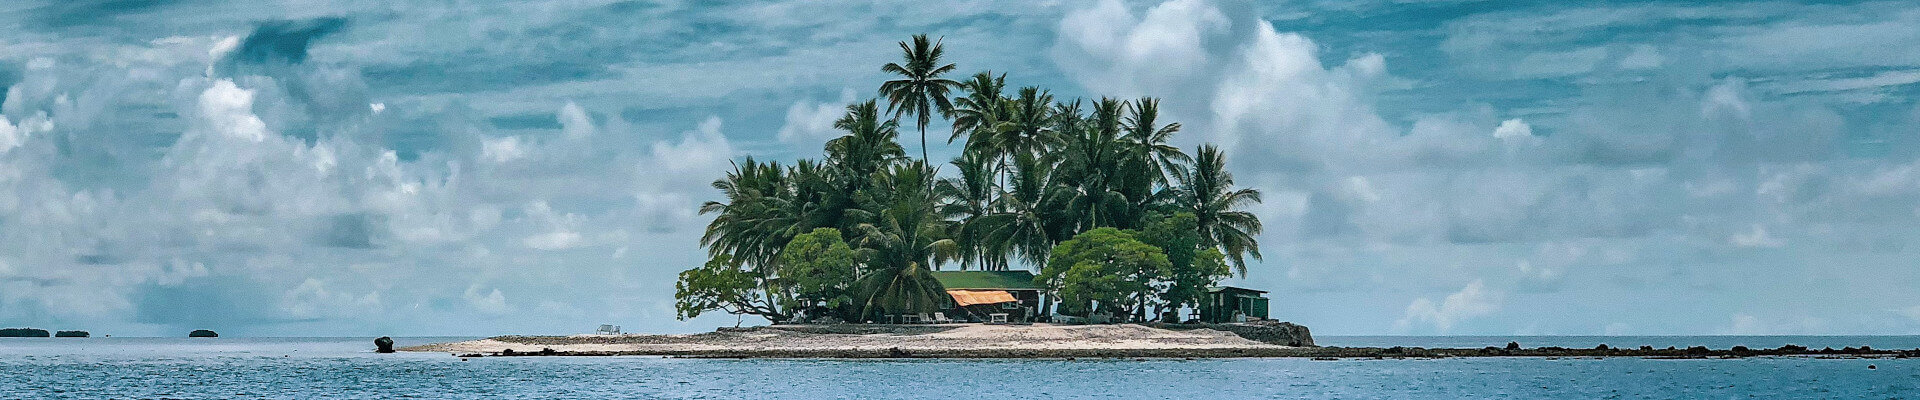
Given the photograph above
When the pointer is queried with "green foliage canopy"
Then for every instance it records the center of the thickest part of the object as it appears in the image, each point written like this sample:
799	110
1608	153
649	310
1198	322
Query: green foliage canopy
1104	270
819	269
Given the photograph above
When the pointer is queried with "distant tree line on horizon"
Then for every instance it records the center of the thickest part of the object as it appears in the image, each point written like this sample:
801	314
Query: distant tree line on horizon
1114	219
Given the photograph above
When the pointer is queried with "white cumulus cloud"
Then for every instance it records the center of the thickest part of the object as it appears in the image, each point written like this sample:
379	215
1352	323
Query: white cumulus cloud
1472	301
810	121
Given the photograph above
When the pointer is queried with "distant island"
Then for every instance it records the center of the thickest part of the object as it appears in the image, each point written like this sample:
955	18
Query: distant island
72	334
202	333
24	332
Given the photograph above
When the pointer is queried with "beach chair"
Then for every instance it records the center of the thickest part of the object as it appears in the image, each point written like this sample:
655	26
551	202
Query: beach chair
997	318
941	318
923	318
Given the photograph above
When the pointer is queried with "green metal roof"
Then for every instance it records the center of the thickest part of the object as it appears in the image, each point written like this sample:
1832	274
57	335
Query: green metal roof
1217	289
1021	280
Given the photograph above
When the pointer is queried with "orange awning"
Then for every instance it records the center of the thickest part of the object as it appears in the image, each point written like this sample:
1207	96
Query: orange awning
971	297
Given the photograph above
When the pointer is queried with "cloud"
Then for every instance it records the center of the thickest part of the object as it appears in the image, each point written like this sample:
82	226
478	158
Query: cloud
1513	128
491	302
1758	237
1750	325
501	150
228	109
268	211
809	121
1472	301
575	122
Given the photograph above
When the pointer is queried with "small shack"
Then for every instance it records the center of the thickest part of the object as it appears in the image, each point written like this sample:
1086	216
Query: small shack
1224	304
982	296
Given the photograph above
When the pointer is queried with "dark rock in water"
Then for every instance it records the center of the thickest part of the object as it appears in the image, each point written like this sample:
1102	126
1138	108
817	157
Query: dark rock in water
24	332
1601	347
383	345
1513	345
202	333
72	334
1270	332
1646	348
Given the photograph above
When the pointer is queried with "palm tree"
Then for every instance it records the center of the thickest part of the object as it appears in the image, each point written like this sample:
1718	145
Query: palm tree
756	220
1028	127
869	146
968	198
1091	168
981	109
901	237
755	223
1207	191
920	91
1149	141
1024	223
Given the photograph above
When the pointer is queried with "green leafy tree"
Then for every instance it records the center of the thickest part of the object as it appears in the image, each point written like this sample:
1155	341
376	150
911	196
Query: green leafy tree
1104	270
1192	268
819	269
722	285
920	91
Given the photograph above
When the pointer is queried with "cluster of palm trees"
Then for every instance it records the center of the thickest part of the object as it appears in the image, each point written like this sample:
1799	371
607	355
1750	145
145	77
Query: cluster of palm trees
1034	172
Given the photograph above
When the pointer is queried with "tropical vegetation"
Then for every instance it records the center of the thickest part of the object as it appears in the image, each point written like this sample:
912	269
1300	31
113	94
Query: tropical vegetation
1090	194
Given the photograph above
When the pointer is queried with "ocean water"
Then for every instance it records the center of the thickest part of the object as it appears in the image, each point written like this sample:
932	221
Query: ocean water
328	368
1588	342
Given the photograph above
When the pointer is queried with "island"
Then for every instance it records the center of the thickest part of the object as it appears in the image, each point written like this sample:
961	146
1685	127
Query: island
72	334
1041	341
23	332
971	340
202	333
1064	228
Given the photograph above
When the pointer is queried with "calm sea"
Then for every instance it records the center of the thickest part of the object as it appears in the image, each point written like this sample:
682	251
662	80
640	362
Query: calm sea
302	368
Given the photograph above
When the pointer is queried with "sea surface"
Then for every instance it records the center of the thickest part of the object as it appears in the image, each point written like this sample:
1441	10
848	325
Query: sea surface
328	368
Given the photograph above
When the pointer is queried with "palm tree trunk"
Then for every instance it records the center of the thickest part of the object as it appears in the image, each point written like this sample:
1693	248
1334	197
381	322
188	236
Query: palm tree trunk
923	145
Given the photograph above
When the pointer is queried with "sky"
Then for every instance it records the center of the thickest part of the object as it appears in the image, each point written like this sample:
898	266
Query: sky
322	168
